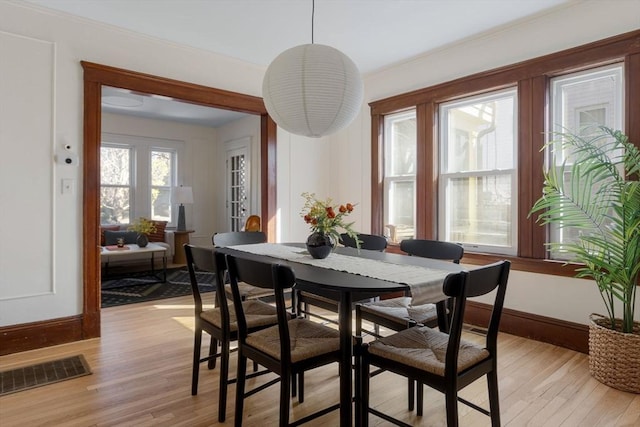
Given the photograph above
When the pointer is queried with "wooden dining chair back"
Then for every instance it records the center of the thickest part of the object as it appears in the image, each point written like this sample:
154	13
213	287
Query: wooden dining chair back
371	242
252	224
234	238
434	249
441	360
399	313
289	349
304	300
219	322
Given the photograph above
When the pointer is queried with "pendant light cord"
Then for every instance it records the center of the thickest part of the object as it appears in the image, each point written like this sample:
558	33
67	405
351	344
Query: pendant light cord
313	12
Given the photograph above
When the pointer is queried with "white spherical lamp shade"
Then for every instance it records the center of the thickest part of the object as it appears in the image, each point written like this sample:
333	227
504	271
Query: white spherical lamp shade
312	90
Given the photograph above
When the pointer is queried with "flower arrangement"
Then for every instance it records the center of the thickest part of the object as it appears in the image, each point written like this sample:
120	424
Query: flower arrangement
143	226
325	218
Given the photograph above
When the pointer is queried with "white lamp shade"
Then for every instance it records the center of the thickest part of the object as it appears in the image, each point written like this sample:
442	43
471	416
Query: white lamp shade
312	90
182	195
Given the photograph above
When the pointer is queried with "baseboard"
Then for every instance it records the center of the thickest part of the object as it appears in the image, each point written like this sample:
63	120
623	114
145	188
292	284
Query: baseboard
573	336
29	336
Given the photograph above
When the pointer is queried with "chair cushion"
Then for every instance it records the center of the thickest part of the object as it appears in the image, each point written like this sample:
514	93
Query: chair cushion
425	348
308	339
401	310
257	314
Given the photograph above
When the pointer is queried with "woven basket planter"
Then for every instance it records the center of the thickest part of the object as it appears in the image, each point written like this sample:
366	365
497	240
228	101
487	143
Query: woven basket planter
614	357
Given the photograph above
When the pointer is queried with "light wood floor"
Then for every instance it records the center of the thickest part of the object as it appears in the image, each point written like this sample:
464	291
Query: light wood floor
142	373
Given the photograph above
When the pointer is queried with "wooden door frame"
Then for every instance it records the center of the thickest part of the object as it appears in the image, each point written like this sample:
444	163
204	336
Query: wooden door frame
95	76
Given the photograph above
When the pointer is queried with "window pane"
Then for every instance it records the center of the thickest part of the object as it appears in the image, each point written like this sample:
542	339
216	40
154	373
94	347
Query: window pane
478	176
399	180
479	210
401	215
401	145
115	166
480	134
161	168
162	171
114	205
581	102
161	204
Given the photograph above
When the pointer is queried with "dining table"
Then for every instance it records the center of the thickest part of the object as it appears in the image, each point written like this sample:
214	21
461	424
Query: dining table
348	275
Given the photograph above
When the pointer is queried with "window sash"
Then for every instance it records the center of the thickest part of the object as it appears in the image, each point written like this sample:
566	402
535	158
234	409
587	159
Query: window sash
495	112
598	89
143	191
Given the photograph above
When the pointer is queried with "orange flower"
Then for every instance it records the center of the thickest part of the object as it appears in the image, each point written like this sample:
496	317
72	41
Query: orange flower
326	218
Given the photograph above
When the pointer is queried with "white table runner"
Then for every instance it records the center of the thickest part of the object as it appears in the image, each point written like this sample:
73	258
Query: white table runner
425	283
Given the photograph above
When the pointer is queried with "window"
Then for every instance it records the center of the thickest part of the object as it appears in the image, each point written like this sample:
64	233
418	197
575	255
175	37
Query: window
162	166
477	192
400	176
136	178
116	190
581	101
479	156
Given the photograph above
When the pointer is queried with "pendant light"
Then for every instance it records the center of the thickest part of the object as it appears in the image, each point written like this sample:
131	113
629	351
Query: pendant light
312	90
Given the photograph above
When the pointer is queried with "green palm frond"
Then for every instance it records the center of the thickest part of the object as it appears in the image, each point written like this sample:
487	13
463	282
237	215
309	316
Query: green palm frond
602	200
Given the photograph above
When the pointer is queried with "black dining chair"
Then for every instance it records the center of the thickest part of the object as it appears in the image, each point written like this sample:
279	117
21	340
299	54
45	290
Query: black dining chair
234	238
371	242
220	322
398	313
442	360
289	349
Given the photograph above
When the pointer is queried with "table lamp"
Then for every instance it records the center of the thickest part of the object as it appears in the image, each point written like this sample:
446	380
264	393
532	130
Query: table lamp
182	195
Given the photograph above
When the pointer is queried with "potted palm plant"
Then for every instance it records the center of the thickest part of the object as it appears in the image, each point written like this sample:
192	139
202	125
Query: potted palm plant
601	200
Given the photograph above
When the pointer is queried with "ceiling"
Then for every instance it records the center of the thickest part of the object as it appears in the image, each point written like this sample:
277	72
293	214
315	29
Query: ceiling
374	33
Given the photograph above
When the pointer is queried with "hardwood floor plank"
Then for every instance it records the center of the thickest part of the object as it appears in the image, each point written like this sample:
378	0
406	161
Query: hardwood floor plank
142	377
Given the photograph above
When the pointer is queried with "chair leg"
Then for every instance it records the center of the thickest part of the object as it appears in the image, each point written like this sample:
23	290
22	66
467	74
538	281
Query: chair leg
451	398
285	400
197	342
411	396
364	390
494	401
240	383
213	347
294	385
224	381
419	398
300	386
358	378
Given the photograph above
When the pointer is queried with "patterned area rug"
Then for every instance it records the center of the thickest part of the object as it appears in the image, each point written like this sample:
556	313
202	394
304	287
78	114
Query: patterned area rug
145	287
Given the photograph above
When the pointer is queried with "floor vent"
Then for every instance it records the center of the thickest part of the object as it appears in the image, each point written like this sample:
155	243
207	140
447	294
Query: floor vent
43	373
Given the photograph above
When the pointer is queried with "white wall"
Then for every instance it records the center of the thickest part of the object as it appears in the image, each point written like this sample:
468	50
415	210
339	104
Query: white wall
75	40
337	166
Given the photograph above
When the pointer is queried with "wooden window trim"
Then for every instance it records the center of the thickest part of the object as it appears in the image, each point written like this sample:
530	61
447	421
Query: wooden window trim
531	78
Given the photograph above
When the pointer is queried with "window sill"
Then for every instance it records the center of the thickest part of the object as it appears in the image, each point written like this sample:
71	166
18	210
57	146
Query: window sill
541	266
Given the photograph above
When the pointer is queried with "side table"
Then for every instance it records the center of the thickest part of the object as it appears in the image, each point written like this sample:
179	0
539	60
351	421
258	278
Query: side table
180	238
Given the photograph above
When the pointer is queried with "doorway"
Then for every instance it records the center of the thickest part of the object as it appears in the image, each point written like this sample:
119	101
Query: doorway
96	76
